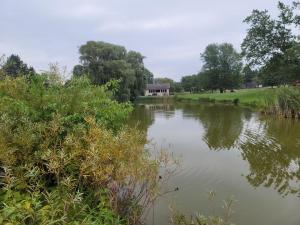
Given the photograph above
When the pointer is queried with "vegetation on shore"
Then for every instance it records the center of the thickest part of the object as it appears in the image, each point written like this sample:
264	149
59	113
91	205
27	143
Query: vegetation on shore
102	62
67	158
249	97
286	103
283	101
155	98
270	53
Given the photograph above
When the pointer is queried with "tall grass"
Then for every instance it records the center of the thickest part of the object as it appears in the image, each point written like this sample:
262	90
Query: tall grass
286	103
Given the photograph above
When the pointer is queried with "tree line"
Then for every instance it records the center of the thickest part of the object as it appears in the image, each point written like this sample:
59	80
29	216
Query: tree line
270	56
100	62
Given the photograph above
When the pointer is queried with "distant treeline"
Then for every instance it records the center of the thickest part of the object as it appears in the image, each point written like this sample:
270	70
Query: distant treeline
269	56
99	61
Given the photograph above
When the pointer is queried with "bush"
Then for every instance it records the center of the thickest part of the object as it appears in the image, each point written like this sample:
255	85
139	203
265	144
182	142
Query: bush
66	158
236	101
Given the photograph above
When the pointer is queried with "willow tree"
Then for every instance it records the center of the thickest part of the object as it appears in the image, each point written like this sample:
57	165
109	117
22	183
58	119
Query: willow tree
103	62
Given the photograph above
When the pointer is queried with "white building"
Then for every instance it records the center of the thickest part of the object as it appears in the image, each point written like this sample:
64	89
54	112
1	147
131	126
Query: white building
157	90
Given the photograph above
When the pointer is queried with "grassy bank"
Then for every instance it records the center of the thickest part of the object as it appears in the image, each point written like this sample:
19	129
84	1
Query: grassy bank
250	97
155	99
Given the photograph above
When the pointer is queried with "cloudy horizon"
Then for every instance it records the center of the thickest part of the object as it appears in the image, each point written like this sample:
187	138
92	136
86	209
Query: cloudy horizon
171	34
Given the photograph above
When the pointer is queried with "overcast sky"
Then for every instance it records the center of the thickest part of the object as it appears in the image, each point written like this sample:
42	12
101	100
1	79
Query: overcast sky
170	33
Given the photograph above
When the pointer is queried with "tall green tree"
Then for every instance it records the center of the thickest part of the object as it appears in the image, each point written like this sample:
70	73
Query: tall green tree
292	62
222	66
149	77
269	41
136	60
103	62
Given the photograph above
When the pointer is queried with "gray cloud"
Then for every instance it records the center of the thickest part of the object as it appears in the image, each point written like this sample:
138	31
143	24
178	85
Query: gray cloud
170	33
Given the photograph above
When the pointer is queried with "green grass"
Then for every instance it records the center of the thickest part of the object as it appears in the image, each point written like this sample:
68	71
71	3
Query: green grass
154	97
250	97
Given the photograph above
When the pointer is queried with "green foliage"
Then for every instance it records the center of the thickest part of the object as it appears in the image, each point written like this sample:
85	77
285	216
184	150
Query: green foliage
14	67
290	64
287	102
249	75
250	97
192	83
271	50
62	205
222	66
103	62
271	44
66	157
236	101
221	70
187	82
174	86
78	71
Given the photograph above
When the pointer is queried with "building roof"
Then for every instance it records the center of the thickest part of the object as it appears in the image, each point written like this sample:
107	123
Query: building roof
157	86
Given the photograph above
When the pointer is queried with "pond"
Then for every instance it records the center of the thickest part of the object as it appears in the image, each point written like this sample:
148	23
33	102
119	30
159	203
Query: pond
232	151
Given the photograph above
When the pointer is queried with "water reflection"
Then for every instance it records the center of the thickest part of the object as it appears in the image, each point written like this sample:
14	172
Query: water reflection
223	125
271	147
142	117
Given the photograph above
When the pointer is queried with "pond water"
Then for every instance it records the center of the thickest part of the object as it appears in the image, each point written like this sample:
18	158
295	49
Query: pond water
232	151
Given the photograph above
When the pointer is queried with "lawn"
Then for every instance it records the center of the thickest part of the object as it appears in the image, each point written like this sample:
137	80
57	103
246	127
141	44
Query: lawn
252	97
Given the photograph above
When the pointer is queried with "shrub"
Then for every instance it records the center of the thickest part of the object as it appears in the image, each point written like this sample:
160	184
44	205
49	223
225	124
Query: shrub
67	158
236	101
